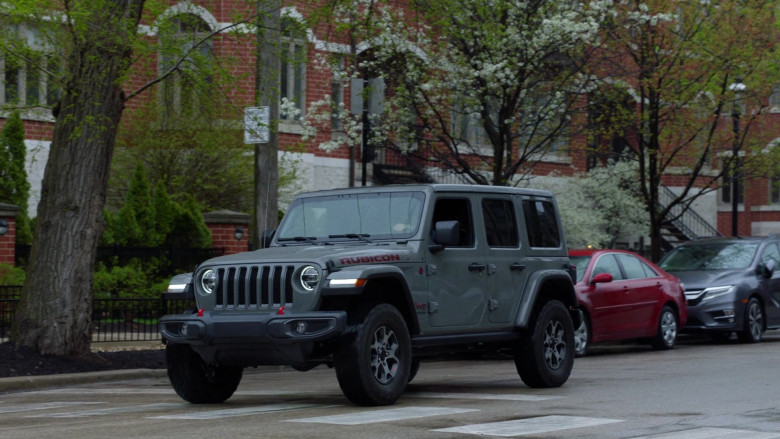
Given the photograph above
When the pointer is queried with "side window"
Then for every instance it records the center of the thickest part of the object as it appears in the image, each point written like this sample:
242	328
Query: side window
456	209
771	253
608	264
500	223
541	223
634	268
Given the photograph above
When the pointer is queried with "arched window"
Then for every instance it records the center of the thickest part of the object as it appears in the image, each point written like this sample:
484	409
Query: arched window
185	54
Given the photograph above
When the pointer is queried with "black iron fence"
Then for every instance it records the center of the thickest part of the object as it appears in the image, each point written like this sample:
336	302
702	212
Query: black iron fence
177	259
112	319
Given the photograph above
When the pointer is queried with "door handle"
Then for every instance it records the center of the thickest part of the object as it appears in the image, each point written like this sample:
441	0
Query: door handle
477	267
517	267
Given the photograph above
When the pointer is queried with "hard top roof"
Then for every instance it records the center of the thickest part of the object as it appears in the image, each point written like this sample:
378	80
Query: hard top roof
430	188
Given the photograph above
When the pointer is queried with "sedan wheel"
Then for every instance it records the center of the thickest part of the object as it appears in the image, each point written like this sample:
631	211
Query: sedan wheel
754	323
667	329
581	338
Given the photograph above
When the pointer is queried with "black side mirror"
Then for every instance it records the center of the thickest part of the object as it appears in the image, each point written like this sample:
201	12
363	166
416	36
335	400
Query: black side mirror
444	233
769	268
268	236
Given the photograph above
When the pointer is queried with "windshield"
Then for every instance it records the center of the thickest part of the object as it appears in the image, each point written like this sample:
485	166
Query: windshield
365	216
581	263
711	256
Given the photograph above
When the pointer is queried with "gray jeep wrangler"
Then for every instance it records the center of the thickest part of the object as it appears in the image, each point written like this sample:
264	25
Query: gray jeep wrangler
372	281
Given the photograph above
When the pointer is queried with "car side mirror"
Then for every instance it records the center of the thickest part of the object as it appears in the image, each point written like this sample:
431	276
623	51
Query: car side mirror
601	278
769	268
444	233
267	237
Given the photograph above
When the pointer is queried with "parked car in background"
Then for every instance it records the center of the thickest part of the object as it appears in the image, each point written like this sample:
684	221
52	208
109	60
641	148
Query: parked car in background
624	296
731	284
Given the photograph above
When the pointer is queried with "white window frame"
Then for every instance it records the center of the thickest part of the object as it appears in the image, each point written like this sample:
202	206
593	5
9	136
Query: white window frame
45	97
293	69
176	79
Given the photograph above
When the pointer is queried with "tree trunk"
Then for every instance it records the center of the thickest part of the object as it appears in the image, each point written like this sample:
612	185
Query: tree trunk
54	314
267	94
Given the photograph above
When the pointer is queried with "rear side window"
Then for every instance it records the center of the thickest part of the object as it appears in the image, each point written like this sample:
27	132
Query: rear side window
500	223
541	223
634	268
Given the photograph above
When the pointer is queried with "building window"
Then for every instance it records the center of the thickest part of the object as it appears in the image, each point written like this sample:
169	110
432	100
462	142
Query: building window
337	94
725	192
774	99
186	56
27	71
774	190
468	126
293	69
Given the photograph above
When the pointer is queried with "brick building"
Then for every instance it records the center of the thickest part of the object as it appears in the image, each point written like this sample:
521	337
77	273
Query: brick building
307	82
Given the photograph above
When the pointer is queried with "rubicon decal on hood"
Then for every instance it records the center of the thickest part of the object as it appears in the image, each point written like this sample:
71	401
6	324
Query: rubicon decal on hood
369	259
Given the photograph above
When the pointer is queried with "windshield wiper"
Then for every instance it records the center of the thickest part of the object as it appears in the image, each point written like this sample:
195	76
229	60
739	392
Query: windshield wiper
360	236
306	239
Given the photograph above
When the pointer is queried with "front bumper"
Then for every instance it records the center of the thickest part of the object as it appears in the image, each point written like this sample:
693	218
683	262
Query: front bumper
253	338
715	316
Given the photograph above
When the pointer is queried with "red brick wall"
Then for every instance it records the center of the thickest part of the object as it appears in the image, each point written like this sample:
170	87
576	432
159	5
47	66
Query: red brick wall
8	242
224	236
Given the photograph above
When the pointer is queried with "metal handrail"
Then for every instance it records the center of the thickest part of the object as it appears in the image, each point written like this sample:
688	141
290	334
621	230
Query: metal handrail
685	219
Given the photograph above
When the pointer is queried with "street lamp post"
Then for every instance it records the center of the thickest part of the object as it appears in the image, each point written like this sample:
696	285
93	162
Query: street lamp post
738	88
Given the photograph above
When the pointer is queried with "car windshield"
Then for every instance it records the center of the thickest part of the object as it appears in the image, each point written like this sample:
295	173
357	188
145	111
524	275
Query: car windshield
710	256
581	262
353	217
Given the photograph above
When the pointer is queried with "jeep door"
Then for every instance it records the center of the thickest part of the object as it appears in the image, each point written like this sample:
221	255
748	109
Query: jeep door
506	274
457	275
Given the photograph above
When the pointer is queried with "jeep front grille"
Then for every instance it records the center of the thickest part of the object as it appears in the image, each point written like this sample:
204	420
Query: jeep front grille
255	286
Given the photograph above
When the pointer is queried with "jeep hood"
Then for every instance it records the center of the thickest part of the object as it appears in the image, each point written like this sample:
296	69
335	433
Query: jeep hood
340	254
699	280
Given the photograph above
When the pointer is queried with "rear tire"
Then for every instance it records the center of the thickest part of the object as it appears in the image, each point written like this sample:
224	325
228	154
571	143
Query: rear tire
666	335
753	323
546	356
197	382
582	338
374	358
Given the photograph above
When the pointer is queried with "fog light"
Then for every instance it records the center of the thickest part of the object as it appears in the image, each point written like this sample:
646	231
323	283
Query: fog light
184	329
301	328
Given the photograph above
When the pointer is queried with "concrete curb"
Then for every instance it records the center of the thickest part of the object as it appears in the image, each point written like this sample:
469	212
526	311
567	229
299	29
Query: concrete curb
42	381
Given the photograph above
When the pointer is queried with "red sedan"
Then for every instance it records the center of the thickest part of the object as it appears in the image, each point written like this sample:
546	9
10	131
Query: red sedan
624	296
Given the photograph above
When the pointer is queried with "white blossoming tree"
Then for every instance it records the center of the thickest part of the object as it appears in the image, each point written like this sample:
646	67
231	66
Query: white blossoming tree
600	206
483	88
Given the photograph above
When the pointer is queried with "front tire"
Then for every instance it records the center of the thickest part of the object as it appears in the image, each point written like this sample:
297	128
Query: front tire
546	356
753	323
197	382
666	335
374	359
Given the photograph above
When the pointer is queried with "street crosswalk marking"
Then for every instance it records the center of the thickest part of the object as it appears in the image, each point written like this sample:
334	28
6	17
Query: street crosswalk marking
522	427
383	415
713	433
226	413
111	411
42	406
482	396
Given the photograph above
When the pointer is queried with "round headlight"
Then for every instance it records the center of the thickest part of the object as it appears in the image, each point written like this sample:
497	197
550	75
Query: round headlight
309	278
208	281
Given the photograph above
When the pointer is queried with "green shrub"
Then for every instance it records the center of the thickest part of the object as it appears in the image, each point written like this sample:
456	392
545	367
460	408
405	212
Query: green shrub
130	281
10	275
